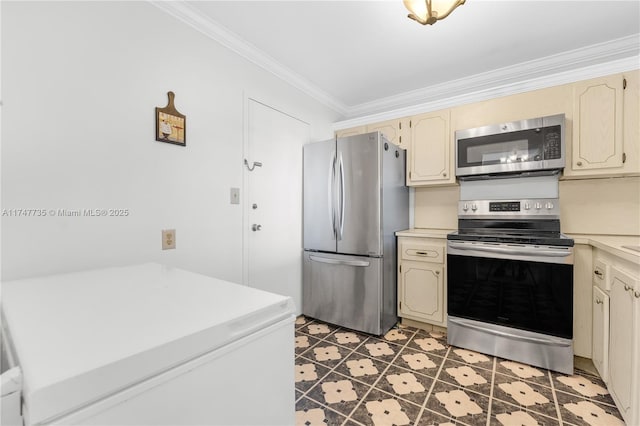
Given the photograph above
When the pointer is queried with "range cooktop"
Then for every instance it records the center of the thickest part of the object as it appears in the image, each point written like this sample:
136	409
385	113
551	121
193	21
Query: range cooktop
507	237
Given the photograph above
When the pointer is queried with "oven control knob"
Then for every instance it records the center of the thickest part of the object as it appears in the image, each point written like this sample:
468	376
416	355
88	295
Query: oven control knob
527	206
538	206
465	207
474	207
549	206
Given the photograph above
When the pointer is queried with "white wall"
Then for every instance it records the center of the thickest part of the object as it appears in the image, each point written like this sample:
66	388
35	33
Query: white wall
80	81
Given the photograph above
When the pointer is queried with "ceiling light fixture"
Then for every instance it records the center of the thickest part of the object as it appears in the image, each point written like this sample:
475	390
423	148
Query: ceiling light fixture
430	11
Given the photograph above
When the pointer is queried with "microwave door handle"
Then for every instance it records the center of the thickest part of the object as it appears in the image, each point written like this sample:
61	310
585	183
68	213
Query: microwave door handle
518	251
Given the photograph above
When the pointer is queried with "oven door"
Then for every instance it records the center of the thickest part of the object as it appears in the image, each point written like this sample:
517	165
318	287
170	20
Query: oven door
519	286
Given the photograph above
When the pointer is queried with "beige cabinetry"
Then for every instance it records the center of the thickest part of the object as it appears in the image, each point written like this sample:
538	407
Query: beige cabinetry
602	131
421	280
600	350
397	130
431	146
616	330
624	342
600	309
351	131
582	312
605	122
597	124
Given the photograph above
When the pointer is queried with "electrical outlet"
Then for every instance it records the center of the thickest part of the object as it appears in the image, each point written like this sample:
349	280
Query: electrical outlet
168	239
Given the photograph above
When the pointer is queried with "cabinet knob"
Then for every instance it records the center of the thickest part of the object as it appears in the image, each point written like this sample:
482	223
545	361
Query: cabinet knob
579	163
637	294
627	287
598	273
444	174
437	272
598	302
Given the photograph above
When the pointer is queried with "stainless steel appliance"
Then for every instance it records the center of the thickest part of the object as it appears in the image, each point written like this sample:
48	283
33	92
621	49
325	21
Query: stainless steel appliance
510	282
534	144
355	199
510	269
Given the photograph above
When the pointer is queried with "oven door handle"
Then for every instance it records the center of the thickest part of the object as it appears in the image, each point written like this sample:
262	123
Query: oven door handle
512	250
549	341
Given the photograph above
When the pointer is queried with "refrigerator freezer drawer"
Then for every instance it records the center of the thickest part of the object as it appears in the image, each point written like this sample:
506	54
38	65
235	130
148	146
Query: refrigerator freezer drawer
343	290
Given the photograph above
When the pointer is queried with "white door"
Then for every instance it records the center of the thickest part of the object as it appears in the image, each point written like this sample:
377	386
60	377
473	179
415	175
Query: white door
273	202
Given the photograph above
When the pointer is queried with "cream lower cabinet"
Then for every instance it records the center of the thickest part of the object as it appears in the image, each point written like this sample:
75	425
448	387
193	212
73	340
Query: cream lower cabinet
624	344
600	279
600	351
421	280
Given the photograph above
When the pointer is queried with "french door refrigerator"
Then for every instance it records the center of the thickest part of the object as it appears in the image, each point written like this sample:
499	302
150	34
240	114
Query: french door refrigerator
355	199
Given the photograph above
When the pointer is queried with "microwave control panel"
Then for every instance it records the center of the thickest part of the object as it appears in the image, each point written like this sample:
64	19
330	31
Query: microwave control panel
552	144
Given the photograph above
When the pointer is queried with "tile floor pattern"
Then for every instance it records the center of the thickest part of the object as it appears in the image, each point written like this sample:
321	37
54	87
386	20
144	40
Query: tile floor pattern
412	377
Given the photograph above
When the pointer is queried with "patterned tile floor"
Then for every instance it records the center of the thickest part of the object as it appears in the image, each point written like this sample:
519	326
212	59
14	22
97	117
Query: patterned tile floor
412	377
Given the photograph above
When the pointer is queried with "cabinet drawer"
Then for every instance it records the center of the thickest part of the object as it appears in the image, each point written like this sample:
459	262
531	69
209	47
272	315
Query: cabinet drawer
601	275
422	252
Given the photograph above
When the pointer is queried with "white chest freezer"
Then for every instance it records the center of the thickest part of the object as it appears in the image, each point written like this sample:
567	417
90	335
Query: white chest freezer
147	344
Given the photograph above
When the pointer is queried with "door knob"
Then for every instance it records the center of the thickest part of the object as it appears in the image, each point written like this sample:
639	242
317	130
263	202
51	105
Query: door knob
256	227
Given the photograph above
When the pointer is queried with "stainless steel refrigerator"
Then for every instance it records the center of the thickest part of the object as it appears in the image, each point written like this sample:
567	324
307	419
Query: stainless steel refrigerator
355	199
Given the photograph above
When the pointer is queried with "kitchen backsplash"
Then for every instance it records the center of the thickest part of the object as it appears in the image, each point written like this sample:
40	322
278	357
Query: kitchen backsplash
608	206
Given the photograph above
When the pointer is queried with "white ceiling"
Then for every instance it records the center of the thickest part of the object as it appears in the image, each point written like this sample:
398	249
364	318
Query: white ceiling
366	56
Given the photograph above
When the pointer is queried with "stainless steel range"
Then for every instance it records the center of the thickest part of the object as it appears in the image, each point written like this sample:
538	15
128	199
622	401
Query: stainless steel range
510	271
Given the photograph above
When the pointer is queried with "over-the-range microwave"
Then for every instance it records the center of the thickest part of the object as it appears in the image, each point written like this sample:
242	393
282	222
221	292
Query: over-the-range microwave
519	146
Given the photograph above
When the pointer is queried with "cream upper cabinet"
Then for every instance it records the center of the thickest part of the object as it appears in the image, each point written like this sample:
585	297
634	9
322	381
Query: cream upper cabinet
396	131
351	131
605	127
430	149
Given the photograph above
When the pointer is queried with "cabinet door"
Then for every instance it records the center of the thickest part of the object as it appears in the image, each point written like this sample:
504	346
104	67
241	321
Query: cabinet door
421	291
351	131
430	149
597	125
601	332
623	342
394	130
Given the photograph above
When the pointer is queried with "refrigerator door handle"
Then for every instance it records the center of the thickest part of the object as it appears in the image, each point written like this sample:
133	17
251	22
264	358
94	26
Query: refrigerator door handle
331	194
342	198
361	263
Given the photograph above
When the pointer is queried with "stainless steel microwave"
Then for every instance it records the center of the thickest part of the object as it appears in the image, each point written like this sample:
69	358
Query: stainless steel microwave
519	146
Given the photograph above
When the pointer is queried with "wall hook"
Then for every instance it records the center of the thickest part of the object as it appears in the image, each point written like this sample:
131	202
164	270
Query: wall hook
255	164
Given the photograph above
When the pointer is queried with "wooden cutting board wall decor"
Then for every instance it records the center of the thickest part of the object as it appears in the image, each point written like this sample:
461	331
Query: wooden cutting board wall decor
171	126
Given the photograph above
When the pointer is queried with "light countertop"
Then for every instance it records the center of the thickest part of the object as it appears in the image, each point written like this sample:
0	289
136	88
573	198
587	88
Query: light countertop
614	244
425	233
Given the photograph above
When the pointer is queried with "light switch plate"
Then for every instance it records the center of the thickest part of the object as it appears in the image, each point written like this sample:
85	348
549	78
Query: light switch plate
168	239
235	195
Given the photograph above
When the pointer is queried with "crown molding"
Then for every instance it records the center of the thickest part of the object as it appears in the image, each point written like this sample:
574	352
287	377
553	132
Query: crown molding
194	18
557	79
595	61
580	64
